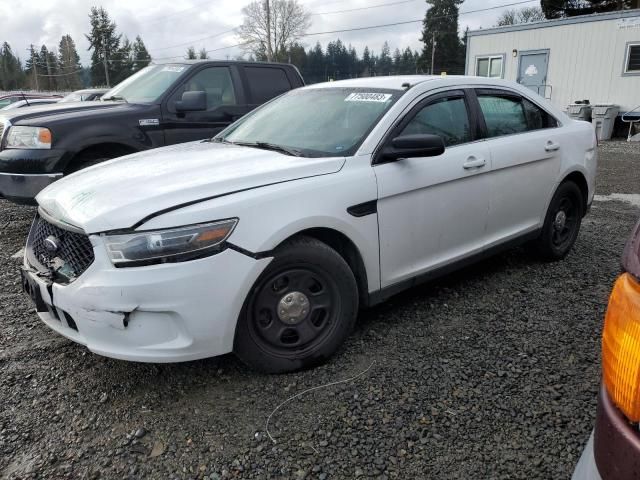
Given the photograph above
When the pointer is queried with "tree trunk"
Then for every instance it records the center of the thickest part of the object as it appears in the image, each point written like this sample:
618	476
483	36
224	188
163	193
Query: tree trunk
269	46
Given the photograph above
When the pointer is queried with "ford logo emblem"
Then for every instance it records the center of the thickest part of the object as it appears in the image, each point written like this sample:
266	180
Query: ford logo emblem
51	244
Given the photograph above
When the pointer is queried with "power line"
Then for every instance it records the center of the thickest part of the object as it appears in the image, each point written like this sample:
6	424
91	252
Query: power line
363	8
384	25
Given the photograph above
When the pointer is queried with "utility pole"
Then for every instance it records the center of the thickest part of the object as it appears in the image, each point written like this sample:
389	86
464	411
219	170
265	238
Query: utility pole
269	48
433	51
104	60
35	67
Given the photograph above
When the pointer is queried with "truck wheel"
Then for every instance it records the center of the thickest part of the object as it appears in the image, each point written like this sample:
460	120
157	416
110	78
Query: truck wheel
562	222
300	310
85	161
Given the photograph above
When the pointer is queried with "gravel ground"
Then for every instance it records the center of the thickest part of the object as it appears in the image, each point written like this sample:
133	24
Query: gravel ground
488	373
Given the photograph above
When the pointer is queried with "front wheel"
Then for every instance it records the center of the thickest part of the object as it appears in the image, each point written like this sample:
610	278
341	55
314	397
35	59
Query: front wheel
300	310
562	222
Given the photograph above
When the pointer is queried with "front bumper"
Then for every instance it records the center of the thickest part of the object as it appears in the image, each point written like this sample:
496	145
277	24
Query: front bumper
23	188
160	313
613	451
24	172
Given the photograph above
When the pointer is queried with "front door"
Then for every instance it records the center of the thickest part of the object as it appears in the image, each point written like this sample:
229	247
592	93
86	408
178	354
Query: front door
532	70
433	210
224	105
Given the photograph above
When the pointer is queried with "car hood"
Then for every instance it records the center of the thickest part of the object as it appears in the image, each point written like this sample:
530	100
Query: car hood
120	193
19	116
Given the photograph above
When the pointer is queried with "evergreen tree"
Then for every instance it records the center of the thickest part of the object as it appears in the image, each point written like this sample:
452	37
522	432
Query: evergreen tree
11	74
202	54
32	70
141	57
571	8
397	62
68	64
121	62
440	24
191	54
384	62
105	42
366	62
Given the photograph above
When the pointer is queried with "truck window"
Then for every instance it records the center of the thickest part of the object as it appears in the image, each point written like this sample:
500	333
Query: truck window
216	82
266	83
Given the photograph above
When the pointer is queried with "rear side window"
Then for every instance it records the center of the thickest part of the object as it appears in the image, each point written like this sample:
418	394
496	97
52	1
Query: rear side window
508	115
537	118
446	117
266	83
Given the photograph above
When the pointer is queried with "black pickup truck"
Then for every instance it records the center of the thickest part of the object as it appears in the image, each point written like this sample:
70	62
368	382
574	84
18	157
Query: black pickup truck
162	104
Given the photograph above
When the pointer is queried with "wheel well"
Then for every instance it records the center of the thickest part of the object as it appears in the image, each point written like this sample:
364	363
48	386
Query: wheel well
103	150
581	182
348	251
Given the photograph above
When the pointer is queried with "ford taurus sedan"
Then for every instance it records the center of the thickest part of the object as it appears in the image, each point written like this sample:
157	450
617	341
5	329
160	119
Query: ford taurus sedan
267	239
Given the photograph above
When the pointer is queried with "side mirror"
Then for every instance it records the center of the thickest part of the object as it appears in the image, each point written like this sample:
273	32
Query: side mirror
192	102
415	145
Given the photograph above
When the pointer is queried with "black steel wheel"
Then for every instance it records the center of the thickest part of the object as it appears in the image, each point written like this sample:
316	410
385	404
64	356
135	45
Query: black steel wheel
299	311
562	222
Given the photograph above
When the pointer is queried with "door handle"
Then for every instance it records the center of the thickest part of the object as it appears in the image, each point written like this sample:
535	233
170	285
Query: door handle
552	146
473	162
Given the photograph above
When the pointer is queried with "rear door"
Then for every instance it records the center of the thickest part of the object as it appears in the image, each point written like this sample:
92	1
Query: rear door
526	147
433	210
225	103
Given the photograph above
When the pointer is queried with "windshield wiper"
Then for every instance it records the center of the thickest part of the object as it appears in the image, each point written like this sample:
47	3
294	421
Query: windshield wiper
271	146
114	98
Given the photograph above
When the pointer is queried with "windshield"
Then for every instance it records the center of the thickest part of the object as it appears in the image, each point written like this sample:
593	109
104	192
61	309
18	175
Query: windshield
147	85
316	122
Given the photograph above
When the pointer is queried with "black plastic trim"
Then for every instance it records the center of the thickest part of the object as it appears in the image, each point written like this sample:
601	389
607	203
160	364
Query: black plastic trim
363	209
256	256
380	296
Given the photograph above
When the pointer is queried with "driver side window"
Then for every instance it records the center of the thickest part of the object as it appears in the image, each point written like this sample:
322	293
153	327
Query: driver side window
217	84
445	117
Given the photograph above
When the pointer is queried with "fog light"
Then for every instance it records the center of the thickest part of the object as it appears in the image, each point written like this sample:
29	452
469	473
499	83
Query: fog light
621	346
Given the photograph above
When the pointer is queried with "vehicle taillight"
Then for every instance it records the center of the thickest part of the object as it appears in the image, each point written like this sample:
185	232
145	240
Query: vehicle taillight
621	346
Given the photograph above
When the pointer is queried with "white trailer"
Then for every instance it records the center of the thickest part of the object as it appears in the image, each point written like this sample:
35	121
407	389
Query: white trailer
590	57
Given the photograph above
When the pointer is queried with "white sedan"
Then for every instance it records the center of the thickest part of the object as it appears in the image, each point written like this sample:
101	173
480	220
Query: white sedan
266	240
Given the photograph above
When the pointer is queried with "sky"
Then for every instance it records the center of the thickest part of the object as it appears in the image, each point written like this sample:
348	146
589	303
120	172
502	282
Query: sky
168	27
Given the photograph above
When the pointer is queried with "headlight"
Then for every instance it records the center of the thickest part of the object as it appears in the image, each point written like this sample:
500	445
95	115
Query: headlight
29	137
171	245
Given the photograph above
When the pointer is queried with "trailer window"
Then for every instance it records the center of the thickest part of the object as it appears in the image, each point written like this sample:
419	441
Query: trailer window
632	63
490	66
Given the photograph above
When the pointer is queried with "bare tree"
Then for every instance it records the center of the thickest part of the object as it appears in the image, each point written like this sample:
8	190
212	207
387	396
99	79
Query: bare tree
270	26
524	15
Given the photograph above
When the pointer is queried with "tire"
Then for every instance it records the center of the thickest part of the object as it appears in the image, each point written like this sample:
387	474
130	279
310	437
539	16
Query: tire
299	311
83	162
562	223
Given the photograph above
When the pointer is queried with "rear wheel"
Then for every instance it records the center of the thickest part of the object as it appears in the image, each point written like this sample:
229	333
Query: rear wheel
300	310
562	222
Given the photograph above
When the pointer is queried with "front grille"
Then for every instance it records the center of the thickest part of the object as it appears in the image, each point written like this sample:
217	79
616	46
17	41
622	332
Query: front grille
72	257
1	132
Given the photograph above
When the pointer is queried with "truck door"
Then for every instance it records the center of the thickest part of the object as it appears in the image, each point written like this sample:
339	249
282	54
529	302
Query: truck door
224	104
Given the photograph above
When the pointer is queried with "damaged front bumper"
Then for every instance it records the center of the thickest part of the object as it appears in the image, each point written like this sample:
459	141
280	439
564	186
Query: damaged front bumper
159	313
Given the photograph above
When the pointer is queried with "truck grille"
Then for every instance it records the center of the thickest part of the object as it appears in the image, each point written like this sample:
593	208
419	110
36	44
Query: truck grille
1	132
73	255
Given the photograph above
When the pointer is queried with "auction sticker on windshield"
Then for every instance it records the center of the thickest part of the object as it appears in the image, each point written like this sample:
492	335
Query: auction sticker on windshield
172	68
368	97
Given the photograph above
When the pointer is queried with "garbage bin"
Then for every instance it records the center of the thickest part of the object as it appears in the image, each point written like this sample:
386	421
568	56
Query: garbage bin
579	111
604	116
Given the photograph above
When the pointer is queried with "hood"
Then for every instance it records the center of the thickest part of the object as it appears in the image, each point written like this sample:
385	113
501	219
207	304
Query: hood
23	116
120	193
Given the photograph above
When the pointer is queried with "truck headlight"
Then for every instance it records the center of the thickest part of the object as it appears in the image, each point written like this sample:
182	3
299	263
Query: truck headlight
171	245
28	137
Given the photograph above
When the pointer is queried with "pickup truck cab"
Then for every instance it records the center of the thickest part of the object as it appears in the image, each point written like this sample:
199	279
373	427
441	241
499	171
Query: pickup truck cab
162	104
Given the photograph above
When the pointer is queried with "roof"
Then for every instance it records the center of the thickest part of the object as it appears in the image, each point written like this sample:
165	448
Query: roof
394	82
185	61
595	17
